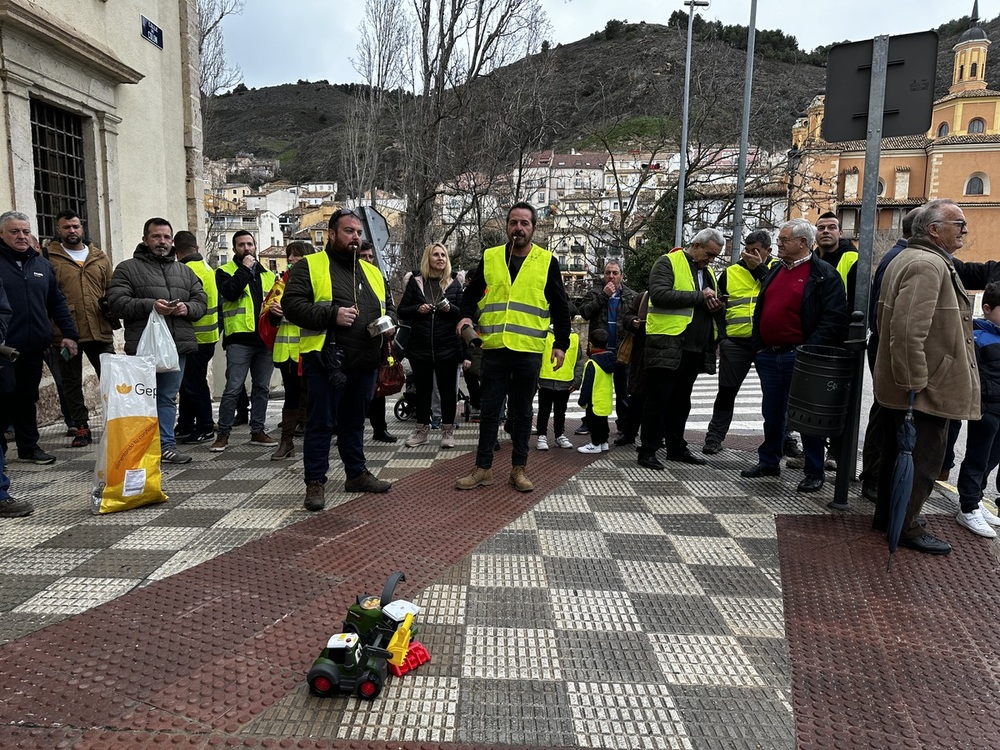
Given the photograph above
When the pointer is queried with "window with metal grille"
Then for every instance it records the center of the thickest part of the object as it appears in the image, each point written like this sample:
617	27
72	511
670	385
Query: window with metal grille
57	153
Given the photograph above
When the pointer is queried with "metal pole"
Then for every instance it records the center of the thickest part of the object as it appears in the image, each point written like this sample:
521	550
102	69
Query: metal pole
856	337
741	170
682	156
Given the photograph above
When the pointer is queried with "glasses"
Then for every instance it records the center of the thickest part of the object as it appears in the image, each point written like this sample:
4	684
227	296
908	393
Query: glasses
961	224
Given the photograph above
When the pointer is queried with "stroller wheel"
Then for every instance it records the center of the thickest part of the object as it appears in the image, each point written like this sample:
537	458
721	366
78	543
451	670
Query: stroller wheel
403	410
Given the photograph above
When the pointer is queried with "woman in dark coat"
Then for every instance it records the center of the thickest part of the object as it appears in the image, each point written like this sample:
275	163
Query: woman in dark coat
431	305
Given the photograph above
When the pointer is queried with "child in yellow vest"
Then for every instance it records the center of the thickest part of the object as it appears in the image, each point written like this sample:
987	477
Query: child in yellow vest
597	392
554	387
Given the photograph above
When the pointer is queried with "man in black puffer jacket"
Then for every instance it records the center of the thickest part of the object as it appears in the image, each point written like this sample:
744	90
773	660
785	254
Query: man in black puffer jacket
333	296
34	297
152	279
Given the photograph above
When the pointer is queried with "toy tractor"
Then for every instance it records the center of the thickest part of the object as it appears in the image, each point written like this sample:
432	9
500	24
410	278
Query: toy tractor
376	640
348	666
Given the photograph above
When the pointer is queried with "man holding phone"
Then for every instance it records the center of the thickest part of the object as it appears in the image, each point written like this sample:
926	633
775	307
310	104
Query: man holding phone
152	279
739	286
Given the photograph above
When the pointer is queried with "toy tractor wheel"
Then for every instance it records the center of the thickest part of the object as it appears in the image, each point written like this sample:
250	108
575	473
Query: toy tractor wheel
370	686
323	681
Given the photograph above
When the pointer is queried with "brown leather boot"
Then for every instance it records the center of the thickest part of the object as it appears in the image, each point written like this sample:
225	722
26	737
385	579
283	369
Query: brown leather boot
519	479
286	448
315	500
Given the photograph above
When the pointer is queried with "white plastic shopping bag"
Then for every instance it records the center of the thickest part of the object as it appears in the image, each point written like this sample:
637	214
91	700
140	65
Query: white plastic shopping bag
127	474
156	342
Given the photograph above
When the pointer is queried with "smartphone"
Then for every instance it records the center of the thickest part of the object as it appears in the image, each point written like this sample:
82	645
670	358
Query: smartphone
174	302
64	353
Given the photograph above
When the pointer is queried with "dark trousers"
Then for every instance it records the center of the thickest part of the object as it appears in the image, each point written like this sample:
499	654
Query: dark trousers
775	373
18	398
554	403
622	403
668	403
52	357
954	428
636	406
71	371
293	384
982	455
928	453
343	409
735	361
511	375
194	403
376	415
871	454
447	382
598	426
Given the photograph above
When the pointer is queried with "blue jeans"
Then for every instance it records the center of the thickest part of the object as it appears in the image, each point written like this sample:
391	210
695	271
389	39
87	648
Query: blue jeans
344	409
775	373
167	385
511	375
242	360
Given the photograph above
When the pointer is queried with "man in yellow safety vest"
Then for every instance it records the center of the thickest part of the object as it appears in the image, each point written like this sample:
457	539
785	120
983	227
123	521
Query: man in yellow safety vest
334	297
518	290
682	322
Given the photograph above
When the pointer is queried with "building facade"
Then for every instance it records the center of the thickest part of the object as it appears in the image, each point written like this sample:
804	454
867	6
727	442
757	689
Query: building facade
101	114
957	159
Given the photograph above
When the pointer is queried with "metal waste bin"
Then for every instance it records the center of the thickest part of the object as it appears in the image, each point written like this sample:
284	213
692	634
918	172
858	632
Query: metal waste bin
820	390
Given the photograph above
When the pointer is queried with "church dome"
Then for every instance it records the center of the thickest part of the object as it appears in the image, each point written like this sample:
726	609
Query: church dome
973	34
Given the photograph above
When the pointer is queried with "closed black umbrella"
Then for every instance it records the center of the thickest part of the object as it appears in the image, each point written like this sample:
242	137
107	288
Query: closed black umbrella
902	477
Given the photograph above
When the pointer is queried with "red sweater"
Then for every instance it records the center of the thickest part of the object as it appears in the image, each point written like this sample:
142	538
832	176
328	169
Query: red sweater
781	314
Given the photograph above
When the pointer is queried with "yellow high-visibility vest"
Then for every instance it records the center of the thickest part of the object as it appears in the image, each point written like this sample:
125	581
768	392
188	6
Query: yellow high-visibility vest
600	392
743	289
845	264
673	322
565	373
206	328
238	316
322	289
515	316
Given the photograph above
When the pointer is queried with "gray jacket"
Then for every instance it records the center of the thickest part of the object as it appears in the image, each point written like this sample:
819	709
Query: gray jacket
138	282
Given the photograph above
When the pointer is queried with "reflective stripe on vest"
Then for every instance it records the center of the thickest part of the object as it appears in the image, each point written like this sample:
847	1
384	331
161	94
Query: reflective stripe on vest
845	264
601	389
206	328
515	316
238	316
286	342
565	373
673	322
743	289
322	289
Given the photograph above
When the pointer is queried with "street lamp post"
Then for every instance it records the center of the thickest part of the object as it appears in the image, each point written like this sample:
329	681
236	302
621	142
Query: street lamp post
741	176
682	171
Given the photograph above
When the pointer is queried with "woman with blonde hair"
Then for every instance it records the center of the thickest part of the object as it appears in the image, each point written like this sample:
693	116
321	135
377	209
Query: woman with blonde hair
431	305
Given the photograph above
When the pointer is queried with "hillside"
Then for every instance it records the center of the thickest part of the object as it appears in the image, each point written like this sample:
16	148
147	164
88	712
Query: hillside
613	88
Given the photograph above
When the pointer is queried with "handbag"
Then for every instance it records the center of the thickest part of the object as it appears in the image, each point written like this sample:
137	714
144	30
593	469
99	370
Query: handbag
624	353
157	343
390	377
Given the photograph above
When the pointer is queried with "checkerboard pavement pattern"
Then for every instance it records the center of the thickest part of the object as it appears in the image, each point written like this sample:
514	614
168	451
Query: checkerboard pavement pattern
628	608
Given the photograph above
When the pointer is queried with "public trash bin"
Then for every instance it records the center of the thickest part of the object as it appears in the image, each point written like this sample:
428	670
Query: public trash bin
820	390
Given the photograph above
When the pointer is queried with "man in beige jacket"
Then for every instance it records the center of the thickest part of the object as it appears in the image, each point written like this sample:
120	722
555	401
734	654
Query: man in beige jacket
925	346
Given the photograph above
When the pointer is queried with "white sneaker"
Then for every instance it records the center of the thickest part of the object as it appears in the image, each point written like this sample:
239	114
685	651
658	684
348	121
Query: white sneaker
605	447
542	444
563	442
988	515
975	523
589	448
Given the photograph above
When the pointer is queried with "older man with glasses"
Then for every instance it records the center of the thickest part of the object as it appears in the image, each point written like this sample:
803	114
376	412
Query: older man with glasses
683	320
801	301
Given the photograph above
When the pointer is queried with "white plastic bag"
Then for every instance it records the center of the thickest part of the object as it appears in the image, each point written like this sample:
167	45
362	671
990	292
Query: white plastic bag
127	474
156	342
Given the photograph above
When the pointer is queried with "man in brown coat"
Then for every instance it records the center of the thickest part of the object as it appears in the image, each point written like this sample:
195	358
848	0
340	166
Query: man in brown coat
925	347
83	272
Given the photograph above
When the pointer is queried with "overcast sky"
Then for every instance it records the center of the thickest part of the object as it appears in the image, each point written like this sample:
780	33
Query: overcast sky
283	42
